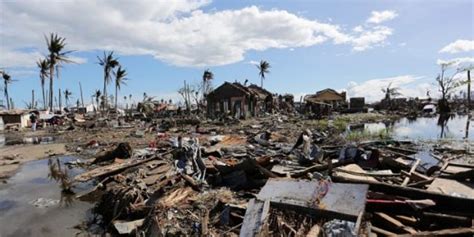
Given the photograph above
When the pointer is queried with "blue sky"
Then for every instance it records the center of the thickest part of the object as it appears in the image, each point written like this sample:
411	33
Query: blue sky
358	46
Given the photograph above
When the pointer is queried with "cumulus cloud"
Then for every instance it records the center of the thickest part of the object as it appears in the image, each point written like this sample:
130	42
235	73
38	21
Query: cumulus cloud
410	86
378	17
458	46
177	32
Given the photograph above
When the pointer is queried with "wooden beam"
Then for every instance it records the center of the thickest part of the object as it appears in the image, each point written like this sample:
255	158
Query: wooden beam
413	168
396	224
444	203
446	232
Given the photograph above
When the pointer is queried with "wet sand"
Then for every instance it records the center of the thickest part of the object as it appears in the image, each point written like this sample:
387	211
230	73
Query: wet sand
12	157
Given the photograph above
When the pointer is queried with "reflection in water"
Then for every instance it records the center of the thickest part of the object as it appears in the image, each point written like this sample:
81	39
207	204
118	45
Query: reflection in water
18	217
60	175
467	126
427	128
443	124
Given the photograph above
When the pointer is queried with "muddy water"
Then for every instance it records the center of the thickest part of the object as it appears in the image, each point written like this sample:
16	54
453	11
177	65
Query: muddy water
8	140
32	205
428	128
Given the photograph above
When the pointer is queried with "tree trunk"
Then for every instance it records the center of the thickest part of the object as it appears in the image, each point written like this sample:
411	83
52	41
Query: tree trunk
261	82
116	91
44	96
82	98
6	95
51	77
105	90
59	101
33	99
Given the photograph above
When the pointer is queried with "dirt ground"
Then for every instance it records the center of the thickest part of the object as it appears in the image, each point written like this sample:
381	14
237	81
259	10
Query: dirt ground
12	157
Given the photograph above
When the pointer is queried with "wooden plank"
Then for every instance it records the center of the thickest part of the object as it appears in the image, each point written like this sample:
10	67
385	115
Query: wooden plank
444	203
114	168
382	231
413	168
452	187
255	216
446	232
395	222
344	201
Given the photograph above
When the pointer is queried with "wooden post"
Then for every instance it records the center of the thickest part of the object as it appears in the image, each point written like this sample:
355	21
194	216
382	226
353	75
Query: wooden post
413	168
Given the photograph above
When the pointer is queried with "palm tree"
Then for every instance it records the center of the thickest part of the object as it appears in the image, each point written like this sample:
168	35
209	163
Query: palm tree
43	65
56	56
6	80
207	76
120	78
391	92
67	96
97	94
263	67
109	63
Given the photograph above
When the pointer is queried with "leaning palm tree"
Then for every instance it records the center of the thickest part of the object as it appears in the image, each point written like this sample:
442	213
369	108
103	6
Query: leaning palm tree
120	78
6	80
108	62
207	76
43	65
67	96
391	92
56	56
263	67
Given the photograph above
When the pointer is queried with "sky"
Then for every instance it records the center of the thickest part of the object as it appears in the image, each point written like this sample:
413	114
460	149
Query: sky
357	46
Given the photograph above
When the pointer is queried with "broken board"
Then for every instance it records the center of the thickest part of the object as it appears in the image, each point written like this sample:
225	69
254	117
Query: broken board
337	200
452	188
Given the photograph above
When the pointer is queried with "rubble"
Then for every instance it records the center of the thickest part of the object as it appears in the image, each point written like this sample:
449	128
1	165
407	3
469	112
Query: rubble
271	176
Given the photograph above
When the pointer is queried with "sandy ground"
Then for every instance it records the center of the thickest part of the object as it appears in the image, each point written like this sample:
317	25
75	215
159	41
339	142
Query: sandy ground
12	157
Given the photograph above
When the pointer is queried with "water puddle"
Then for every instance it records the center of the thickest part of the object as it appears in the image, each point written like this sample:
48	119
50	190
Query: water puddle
6	140
456	127
32	203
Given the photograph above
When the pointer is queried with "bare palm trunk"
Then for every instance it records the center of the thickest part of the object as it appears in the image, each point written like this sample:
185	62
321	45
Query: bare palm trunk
44	96
51	77
6	95
116	91
261	82
104	92
60	97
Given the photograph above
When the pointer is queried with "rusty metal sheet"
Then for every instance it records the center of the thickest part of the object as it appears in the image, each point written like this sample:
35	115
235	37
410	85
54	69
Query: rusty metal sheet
345	201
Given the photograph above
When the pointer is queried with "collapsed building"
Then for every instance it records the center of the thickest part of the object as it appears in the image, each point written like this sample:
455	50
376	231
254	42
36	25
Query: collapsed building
325	101
239	101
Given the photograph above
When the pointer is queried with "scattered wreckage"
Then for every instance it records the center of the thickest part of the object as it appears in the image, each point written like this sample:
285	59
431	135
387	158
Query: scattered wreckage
267	180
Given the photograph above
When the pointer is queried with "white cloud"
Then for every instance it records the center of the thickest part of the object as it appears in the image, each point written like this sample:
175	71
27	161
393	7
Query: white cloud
410	86
458	46
253	62
378	17
371	38
456	63
177	32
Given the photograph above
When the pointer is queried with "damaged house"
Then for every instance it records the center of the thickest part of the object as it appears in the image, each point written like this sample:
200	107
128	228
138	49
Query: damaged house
325	101
238	100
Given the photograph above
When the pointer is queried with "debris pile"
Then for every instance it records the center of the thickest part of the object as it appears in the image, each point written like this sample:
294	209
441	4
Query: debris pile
277	178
